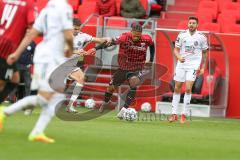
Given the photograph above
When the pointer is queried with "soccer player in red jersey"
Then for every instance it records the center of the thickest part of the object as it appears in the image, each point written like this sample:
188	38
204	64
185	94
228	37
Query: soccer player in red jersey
15	17
131	59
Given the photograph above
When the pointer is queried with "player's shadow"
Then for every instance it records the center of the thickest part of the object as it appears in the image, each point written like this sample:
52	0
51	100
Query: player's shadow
62	114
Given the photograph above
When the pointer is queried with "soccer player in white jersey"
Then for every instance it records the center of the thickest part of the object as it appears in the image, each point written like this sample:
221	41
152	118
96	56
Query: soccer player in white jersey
79	42
190	50
55	24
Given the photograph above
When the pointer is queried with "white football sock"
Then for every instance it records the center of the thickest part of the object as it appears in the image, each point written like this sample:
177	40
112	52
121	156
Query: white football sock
186	102
175	102
76	91
23	103
48	111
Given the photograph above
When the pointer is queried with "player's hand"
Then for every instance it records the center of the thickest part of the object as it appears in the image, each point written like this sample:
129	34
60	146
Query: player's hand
108	41
12	58
82	52
91	51
201	72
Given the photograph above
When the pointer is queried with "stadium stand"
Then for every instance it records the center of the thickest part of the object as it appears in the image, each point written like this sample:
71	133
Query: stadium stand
182	25
210	7
212	27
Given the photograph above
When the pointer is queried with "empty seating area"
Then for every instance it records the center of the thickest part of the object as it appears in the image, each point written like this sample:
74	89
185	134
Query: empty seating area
218	16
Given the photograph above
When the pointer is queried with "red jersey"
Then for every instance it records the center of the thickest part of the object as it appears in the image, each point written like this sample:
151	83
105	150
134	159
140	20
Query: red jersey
15	17
132	56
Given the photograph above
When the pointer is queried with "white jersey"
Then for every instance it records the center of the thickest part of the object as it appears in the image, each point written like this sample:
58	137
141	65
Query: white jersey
191	47
52	21
80	40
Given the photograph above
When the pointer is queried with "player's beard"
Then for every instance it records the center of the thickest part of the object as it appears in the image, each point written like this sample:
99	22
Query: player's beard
192	29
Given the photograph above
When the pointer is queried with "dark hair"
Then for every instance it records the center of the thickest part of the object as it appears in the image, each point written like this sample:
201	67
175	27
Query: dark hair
136	27
193	18
76	22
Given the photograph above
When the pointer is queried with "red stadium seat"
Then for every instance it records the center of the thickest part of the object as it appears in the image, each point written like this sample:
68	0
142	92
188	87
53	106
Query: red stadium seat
204	17
232	13
225	20
210	7
231	8
182	25
233	28
212	27
85	10
221	4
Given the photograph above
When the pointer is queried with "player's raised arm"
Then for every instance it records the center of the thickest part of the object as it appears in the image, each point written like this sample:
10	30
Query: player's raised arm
110	42
105	40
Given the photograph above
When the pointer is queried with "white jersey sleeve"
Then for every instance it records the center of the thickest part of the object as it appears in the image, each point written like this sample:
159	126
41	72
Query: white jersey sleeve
178	42
88	38
39	23
67	19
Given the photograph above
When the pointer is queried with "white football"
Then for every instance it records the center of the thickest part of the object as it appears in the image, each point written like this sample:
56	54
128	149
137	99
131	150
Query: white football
146	107
90	103
130	114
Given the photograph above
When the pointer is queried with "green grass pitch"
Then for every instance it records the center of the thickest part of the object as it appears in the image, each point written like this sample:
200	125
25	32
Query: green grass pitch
107	138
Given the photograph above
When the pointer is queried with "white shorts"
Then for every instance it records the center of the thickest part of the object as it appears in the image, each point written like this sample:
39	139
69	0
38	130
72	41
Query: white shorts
184	74
41	75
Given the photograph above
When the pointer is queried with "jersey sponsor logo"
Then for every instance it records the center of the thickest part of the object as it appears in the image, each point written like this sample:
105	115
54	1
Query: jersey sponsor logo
196	43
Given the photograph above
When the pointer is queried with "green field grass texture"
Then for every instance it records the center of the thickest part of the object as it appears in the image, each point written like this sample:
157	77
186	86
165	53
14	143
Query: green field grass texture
107	138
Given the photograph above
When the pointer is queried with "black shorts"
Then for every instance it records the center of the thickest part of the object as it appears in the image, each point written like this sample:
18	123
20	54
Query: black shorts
6	71
120	76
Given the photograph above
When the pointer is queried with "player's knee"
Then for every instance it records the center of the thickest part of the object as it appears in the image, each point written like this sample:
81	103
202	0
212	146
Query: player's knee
177	89
15	78
188	90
